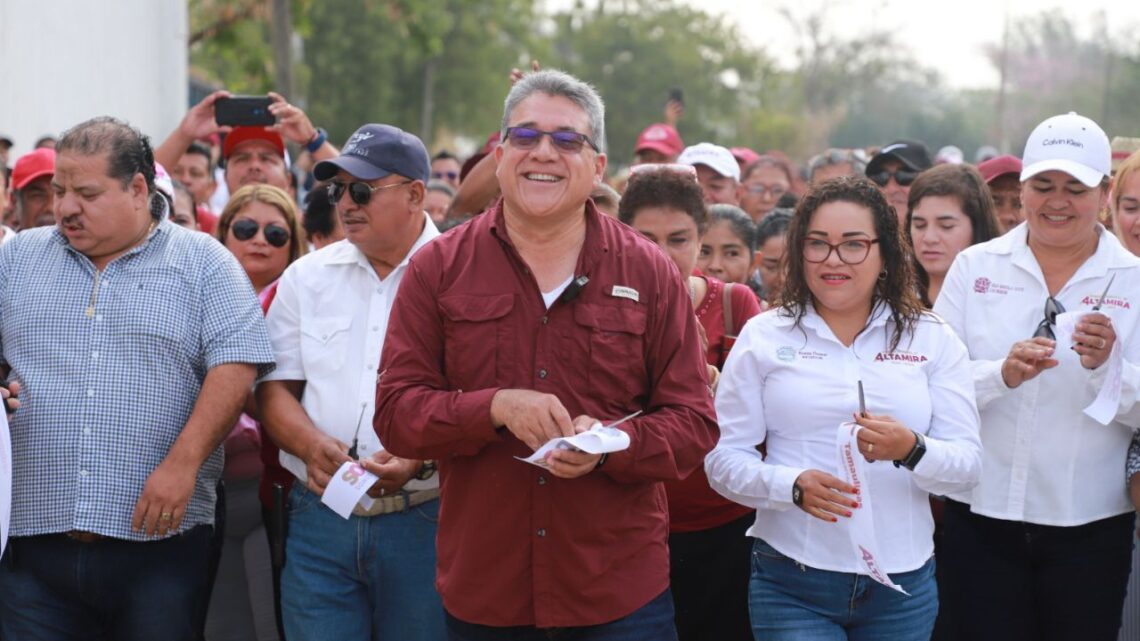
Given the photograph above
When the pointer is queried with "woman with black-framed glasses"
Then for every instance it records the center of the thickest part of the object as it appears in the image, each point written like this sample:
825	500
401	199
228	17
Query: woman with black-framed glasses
850	333
1041	548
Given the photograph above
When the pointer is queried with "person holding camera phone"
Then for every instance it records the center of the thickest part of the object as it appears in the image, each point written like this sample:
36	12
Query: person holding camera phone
263	124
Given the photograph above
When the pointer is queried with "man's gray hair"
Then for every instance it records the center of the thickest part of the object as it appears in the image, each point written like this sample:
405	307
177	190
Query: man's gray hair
560	84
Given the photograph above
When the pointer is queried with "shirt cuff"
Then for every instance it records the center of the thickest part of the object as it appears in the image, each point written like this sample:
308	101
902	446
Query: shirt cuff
780	492
988	383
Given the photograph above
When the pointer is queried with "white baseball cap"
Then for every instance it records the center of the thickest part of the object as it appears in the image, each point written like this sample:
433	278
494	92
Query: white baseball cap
1070	143
714	157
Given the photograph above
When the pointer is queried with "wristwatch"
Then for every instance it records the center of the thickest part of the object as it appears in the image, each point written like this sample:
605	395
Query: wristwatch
797	494
427	470
915	455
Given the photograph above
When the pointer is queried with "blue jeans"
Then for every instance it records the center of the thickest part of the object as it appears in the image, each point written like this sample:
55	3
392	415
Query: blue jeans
360	578
55	589
789	601
651	622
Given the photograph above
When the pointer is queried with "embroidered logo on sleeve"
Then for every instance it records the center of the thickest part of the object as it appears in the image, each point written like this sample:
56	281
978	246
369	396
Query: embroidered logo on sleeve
621	291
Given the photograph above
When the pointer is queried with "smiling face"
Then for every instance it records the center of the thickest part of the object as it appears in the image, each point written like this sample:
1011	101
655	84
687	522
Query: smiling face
724	255
1060	210
262	262
393	214
545	182
940	230
1127	212
674	231
837	287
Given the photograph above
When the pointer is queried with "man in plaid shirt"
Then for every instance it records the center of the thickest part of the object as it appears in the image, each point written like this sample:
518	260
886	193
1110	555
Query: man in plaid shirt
133	344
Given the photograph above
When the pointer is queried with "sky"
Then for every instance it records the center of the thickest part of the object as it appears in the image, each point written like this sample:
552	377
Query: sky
947	36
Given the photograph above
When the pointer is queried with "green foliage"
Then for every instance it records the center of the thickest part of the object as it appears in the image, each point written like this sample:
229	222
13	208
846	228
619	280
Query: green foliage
440	68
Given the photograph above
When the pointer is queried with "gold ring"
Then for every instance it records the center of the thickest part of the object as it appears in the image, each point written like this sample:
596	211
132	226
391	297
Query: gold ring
1103	342
870	447
166	516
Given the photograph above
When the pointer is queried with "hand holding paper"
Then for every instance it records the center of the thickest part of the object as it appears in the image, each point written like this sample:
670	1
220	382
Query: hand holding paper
599	439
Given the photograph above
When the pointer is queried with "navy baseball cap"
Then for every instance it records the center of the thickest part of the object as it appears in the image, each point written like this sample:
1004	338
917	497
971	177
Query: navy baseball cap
911	153
376	151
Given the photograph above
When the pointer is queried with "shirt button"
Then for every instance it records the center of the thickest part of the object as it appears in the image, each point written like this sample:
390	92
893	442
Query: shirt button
542	480
375	328
324	337
82	472
98	317
545	320
87	431
91	392
94	354
542	373
541	532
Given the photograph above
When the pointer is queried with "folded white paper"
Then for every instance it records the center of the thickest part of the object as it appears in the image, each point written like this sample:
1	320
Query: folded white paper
348	488
1104	406
861	525
599	439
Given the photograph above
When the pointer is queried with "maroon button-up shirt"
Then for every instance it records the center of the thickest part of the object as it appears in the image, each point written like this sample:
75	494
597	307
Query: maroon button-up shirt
516	545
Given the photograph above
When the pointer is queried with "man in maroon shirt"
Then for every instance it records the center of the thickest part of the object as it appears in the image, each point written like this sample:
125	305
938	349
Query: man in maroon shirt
533	321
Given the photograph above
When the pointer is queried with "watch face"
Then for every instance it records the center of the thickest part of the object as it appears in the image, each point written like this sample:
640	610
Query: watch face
797	495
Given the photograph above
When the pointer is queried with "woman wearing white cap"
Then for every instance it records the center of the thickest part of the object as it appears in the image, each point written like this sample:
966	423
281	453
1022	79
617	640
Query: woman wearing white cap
1041	548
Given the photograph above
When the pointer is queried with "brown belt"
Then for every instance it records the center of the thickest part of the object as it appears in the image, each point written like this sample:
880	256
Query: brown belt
397	502
85	537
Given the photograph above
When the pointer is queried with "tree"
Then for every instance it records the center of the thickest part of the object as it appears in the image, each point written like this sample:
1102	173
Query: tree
634	52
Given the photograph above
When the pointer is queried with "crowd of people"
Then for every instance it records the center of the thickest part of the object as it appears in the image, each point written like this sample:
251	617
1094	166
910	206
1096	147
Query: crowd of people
883	395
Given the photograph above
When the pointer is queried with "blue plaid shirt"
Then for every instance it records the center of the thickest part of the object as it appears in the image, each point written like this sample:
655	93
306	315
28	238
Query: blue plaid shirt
111	365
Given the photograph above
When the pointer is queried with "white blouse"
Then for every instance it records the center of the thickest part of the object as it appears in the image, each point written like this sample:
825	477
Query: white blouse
1044	461
792	387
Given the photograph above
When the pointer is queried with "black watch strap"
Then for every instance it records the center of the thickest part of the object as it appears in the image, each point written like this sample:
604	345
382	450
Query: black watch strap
797	494
916	453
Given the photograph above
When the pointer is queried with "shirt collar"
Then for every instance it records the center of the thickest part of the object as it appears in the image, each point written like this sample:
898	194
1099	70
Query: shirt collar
1109	254
343	252
595	246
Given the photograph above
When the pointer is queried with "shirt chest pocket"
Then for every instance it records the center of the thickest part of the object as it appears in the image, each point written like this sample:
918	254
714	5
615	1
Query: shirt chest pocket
617	351
477	335
324	345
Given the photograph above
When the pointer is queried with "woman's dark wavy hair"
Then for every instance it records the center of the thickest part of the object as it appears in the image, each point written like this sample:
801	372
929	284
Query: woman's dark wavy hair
965	184
896	285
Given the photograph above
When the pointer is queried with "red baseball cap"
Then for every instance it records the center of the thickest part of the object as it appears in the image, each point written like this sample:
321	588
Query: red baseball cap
244	134
999	166
661	138
32	165
744	156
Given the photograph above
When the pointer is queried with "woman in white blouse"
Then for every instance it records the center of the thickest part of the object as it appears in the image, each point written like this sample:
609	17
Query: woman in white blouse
1041	549
849	313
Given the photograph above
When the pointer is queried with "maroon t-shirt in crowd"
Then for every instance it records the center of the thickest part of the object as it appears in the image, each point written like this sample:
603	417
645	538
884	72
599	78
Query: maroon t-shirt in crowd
693	505
517	546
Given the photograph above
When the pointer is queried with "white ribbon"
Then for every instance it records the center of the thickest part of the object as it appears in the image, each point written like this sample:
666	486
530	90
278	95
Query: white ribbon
1104	406
861	525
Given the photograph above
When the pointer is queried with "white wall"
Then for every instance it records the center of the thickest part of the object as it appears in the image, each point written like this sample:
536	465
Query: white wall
64	61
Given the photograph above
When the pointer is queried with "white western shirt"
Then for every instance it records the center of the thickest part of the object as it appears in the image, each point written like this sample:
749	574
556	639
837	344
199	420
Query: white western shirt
793	386
327	325
1044	461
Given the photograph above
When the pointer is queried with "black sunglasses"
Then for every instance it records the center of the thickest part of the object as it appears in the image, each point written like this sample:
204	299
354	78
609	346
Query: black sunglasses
1053	307
360	193
903	177
567	142
275	234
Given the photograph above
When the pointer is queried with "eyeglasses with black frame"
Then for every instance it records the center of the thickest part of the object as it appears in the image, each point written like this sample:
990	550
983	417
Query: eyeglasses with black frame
246	228
903	177
359	192
1053	307
851	252
565	141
